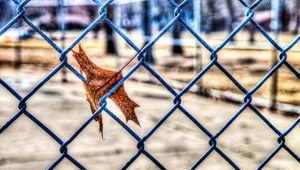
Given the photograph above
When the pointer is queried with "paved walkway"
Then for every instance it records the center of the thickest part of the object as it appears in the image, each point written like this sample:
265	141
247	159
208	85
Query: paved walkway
177	144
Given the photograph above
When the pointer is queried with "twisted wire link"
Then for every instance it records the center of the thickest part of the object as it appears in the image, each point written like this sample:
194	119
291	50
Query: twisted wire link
141	148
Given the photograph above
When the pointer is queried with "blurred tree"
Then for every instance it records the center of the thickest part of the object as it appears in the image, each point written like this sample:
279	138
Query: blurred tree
92	12
162	13
231	13
110	39
285	18
6	12
295	17
251	27
176	34
128	16
211	10
147	29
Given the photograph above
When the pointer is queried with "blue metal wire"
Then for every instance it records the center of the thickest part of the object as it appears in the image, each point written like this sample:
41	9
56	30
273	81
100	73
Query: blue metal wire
178	11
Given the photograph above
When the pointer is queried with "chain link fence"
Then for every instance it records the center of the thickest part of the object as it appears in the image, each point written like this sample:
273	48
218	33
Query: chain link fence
104	109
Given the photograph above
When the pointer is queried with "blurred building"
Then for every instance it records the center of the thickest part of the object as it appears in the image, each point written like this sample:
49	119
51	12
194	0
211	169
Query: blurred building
215	14
6	12
55	2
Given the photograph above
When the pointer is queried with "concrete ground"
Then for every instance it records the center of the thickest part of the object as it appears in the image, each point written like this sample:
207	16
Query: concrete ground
178	144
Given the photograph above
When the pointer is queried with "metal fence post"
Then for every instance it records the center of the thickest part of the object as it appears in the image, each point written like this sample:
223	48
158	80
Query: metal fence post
18	54
62	27
148	20
275	26
197	8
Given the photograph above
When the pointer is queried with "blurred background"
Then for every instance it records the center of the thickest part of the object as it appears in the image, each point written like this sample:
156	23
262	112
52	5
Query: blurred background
25	58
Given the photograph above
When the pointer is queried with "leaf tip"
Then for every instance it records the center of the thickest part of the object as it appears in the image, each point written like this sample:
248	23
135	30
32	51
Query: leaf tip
74	52
80	48
134	119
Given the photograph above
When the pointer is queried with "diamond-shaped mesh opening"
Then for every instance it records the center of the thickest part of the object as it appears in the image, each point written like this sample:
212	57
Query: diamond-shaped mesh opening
150	97
36	145
184	138
207	115
65	99
95	152
239	140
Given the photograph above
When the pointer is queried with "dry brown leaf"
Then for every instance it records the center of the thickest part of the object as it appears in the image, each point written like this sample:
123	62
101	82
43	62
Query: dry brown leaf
98	82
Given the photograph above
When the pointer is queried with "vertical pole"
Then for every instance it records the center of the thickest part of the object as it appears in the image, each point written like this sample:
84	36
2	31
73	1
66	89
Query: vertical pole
18	50
148	28
275	26
7	10
110	37
295	17
117	17
18	54
197	8
177	48
252	28
231	11
62	26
